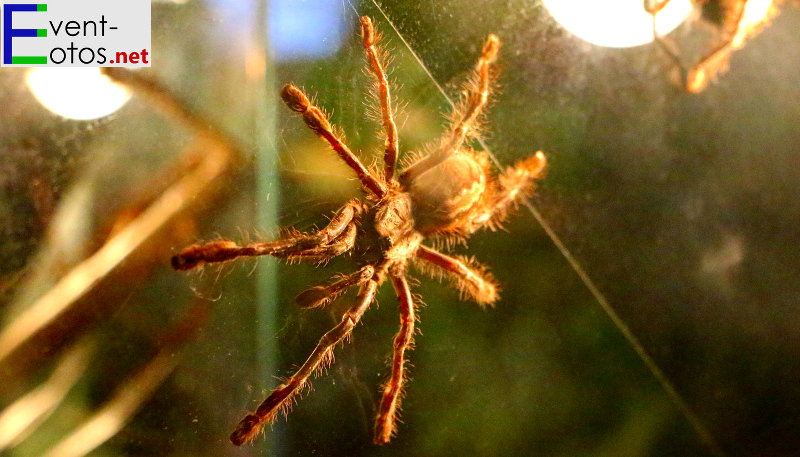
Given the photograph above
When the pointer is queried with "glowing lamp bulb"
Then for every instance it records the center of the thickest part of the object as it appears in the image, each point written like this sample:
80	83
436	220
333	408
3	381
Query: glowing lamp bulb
755	13
616	23
76	93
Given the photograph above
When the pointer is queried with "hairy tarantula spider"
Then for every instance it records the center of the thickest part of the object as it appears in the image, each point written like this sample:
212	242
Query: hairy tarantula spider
738	20
449	193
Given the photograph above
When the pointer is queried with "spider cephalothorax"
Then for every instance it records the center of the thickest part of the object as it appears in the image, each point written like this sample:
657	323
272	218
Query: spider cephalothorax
449	192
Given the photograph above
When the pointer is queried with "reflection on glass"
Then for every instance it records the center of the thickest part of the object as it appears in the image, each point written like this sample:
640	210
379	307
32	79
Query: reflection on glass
616	23
76	93
306	30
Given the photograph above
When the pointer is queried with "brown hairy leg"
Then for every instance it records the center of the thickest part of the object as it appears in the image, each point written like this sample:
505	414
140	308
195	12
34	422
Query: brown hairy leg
391	147
336	238
321	295
466	113
280	398
386	421
317	121
736	29
513	184
473	281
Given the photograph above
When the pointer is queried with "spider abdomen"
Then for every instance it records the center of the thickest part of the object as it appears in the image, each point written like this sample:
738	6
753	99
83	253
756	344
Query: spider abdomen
446	196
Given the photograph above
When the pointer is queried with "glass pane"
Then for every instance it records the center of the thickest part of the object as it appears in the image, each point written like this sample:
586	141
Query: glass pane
646	286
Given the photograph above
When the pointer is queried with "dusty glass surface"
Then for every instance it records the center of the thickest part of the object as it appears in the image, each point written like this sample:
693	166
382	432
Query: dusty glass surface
677	211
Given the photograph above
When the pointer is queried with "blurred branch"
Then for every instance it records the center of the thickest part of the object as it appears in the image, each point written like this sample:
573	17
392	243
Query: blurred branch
134	392
25	414
136	247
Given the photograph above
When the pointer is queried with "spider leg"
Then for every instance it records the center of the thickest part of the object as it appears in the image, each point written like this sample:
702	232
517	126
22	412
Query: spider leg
318	122
470	278
653	7
336	238
323	252
516	182
168	104
386	422
281	397
382	85
321	295
738	27
714	63
465	115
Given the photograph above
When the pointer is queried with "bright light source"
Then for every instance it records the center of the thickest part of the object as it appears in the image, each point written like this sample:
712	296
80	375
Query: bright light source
76	93
616	23
755	13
